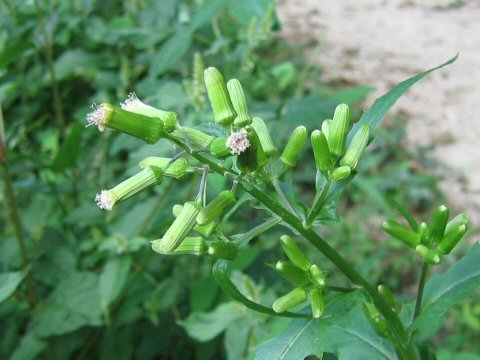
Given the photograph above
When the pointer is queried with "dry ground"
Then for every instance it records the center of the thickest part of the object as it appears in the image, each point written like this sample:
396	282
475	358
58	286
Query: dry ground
380	43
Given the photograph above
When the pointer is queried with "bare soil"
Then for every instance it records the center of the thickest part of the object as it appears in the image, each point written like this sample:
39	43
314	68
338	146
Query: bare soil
380	43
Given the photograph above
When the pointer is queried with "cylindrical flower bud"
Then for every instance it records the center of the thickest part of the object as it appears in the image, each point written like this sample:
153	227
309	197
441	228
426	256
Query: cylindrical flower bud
326	126
290	272
205	230
224	201
176	169
239	102
133	104
378	322
219	99
451	239
179	230
341	173
294	146
219	149
222	250
436	228
422	231
356	147
286	302
316	302
402	233
264	137
146	128
317	276
460	219
339	129
150	175
429	256
294	253
387	295
195	245
321	152
248	160
196	137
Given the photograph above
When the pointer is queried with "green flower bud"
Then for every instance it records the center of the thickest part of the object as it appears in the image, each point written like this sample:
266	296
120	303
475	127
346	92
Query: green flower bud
264	137
339	129
224	201
317	275
133	104
316	302
294	253
222	250
176	169
323	158
356	147
196	137
247	160
150	175
436	228
239	103
422	231
376	319
191	246
326	126
460	219
402	233
205	230
341	173
286	302
294	146
148	129
219	148
451	239
387	295
179	230
291	273
219	99
429	256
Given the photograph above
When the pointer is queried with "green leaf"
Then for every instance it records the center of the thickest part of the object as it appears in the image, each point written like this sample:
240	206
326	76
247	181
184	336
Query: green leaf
112	279
207	12
171	53
309	111
74	303
445	290
14	52
245	10
380	107
9	281
30	347
352	94
302	338
204	326
68	153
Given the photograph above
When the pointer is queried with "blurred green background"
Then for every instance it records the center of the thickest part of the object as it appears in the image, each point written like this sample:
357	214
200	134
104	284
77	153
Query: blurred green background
96	288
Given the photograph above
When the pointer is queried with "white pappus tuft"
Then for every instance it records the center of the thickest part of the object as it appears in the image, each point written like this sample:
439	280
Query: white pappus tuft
132	102
238	142
105	200
98	117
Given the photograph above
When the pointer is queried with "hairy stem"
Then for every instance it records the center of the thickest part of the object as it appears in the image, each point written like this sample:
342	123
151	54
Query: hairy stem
311	236
421	286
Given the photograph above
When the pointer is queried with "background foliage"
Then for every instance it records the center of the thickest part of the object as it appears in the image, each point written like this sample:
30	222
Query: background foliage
99	290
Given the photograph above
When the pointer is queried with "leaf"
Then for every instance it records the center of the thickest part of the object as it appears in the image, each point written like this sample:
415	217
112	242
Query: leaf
112	279
14	52
245	10
445	290
171	53
220	274
309	111
376	113
204	326
68	153
352	94
30	347
207	12
9	281
74	303
405	213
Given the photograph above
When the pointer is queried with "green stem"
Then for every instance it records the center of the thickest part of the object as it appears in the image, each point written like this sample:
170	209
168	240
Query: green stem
396	325
258	230
317	206
284	198
53	78
421	286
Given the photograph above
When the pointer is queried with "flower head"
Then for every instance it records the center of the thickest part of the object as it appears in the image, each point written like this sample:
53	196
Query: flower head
99	116
132	103
238	142
105	200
